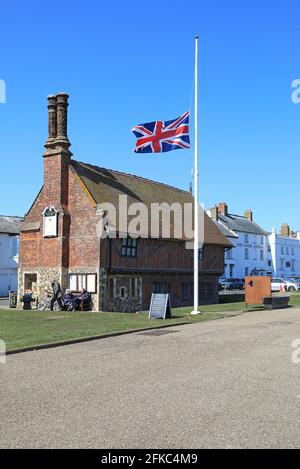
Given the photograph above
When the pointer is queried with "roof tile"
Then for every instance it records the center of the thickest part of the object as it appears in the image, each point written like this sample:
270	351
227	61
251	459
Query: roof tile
106	185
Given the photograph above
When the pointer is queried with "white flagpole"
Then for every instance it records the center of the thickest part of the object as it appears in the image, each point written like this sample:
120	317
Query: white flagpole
196	217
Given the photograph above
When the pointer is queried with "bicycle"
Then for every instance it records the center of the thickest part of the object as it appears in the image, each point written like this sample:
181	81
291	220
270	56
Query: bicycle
45	303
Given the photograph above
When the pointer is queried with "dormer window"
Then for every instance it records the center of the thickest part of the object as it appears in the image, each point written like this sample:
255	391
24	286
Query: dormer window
49	222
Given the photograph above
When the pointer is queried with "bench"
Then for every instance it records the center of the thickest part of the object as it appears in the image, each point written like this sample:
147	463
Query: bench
86	306
276	302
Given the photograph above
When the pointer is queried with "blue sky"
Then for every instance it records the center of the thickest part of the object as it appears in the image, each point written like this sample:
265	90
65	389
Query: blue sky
124	63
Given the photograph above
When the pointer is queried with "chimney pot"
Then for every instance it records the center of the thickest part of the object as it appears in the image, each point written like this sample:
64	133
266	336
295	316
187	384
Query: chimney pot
223	208
285	230
52	122
57	126
62	119
248	214
214	213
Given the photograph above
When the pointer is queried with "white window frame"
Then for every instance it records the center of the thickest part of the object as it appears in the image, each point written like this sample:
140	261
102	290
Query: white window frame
82	281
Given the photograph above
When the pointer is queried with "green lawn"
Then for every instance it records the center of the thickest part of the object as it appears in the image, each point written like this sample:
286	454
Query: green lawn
27	328
294	299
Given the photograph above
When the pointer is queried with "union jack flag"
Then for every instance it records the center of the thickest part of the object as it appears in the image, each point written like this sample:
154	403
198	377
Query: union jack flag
161	136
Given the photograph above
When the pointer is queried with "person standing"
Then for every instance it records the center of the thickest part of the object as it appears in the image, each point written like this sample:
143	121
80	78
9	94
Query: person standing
27	299
57	295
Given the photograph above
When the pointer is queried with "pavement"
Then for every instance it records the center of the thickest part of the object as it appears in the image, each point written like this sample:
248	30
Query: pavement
229	383
4	303
231	292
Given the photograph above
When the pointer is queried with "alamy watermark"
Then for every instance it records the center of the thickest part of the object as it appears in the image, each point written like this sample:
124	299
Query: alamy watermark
2	92
2	352
295	96
156	220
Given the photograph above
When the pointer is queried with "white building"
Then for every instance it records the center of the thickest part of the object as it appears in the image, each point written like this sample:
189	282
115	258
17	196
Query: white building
255	251
285	250
9	253
251	254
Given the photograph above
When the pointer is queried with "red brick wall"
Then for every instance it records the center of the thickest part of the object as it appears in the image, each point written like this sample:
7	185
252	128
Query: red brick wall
34	249
56	170
84	245
76	244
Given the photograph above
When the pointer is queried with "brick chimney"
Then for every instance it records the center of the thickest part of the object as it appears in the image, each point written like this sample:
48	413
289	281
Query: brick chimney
214	213
248	214
285	229
223	208
57	155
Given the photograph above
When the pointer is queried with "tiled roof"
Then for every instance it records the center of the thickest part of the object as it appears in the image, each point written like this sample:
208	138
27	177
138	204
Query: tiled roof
226	231
243	224
106	185
10	225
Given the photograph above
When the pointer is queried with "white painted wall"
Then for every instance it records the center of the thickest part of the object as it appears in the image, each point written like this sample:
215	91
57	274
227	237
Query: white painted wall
281	255
250	253
9	259
285	255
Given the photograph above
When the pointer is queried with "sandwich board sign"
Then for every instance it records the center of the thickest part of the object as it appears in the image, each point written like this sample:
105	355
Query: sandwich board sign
160	306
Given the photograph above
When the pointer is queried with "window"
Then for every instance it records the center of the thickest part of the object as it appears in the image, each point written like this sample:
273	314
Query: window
14	243
229	254
261	255
129	247
246	253
246	271
262	240
134	288
281	264
269	248
288	264
161	287
231	268
246	238
293	251
287	250
112	288
281	250
79	281
30	282
269	263
120	287
200	254
293	265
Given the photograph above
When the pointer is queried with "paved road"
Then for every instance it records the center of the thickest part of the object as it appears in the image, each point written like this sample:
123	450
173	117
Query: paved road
225	383
4	303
